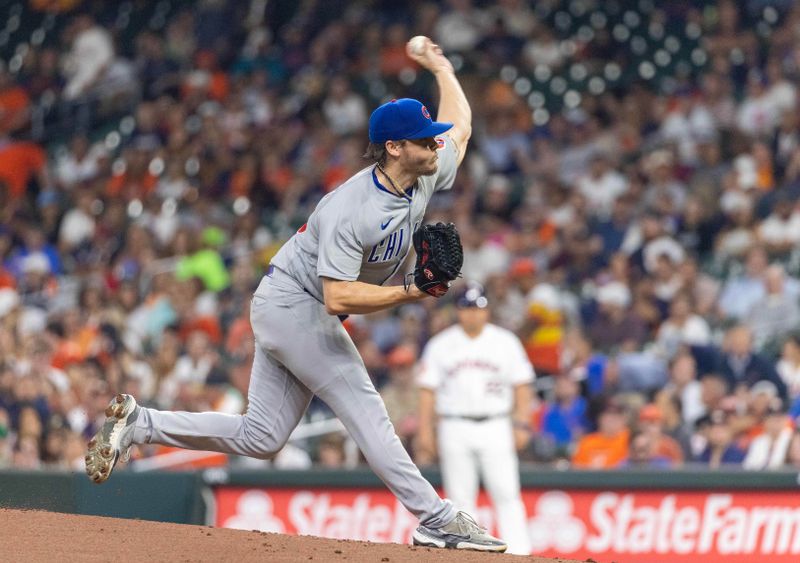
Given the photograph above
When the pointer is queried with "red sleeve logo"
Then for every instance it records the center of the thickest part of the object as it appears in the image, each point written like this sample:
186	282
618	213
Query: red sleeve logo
303	228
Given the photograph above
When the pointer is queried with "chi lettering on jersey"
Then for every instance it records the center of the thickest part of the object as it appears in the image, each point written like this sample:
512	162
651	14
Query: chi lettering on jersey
389	248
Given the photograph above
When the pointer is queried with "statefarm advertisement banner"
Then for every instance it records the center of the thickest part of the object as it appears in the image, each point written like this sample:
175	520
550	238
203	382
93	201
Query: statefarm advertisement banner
621	526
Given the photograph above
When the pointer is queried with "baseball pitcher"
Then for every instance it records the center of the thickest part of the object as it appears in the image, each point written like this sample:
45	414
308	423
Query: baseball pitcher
335	265
476	379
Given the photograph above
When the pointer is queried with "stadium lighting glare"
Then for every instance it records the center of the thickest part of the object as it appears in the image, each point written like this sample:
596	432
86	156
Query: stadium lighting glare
542	73
578	72
509	73
672	44
522	86
536	100
598	20
597	85
558	85
631	19
621	33
647	70
572	99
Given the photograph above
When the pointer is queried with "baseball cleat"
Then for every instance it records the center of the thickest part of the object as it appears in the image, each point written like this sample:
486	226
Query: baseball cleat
462	533
113	440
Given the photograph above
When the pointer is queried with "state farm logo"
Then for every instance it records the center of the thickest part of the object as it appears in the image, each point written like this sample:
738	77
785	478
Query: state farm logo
554	526
644	526
635	524
717	525
371	517
254	511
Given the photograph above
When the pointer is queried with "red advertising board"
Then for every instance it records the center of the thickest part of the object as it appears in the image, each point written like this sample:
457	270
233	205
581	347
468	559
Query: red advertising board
620	526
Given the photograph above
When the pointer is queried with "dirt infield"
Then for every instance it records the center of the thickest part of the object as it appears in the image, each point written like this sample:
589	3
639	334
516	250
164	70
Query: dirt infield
34	536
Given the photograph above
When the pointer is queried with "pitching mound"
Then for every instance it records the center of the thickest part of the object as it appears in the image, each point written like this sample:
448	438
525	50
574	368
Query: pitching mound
34	536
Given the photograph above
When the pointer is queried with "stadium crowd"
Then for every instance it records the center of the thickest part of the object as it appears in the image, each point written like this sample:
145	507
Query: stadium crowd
638	228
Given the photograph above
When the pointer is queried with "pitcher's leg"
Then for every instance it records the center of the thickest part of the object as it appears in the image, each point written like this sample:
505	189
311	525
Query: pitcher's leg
323	357
276	403
361	410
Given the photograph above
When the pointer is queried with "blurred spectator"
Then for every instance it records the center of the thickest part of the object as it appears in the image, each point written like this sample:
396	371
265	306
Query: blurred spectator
642	452
612	229
89	58
544	328
78	225
565	420
776	313
780	231
35	285
781	91
159	73
331	451
483	257
713	389
509	310
758	113
682	327
788	365
741	366
769	449
741	292
46	255
517	17
81	162
14	104
191	368
27	455
543	49
701	287
749	421
20	163
685	387
608	447
720	448
640	372
793	454
207	263
400	394
664	448
460	27
664	193
616	326
221	396
673	424
602	186
345	111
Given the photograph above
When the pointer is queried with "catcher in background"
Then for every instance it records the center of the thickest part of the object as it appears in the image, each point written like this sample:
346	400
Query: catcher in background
476	378
336	265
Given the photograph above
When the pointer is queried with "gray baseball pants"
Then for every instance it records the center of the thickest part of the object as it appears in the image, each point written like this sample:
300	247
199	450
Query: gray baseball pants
301	351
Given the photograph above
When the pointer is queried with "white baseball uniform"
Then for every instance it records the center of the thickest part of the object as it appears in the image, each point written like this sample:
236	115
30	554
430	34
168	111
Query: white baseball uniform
474	380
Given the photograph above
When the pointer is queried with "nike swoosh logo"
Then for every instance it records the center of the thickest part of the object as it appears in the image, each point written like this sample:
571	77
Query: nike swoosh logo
386	224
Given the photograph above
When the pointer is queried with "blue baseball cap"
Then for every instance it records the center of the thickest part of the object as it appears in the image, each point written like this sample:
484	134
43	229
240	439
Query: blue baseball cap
403	119
473	295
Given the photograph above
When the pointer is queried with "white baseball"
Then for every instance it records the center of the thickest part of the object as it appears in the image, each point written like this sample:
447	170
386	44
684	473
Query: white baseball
417	44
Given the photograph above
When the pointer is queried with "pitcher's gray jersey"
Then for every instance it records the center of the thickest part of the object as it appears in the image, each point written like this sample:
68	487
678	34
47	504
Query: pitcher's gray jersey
361	231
